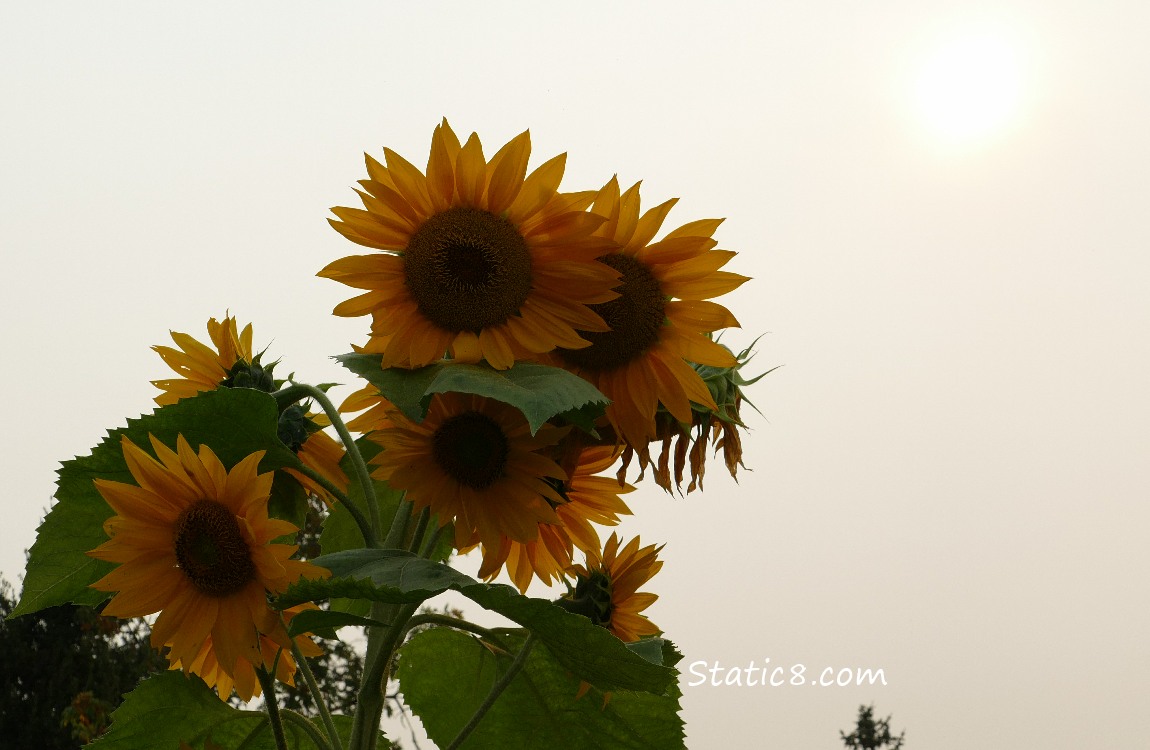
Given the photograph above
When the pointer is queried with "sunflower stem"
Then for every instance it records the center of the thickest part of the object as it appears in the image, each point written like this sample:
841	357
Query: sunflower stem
309	678
268	683
310	729
298	391
496	690
381	645
361	521
434	618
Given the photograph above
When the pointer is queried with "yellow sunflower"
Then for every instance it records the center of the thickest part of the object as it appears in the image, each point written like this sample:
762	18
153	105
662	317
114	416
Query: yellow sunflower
275	649
480	259
590	499
607	588
232	363
660	321
474	461
199	367
192	541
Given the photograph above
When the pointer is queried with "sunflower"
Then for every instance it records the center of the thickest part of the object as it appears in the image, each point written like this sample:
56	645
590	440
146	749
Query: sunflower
480	260
607	588
193	542
199	367
590	499
473	460
660	321
275	649
232	364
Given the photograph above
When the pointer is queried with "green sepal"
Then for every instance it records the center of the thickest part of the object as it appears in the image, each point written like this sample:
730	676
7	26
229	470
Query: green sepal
590	652
234	422
445	675
539	391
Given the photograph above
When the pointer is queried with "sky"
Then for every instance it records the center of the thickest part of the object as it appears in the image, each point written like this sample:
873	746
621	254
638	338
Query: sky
942	206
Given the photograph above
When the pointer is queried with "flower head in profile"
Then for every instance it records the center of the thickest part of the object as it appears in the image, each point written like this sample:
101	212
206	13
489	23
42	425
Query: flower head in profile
480	260
474	461
721	426
660	322
232	364
607	588
591	499
202	368
192	540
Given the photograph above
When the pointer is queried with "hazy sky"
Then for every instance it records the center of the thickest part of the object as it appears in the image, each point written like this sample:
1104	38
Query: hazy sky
944	209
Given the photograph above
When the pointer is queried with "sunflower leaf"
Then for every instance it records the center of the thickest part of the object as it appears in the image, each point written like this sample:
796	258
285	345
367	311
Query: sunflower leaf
539	391
445	675
169	708
323	623
588	651
235	422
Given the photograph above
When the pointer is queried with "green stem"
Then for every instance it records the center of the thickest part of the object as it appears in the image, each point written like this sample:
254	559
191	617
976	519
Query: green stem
432	618
310	729
496	690
356	514
297	391
317	696
268	683
381	646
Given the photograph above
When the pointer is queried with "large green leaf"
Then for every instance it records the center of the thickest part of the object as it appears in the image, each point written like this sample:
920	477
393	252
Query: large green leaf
539	391
169	708
235	422
444	675
397	576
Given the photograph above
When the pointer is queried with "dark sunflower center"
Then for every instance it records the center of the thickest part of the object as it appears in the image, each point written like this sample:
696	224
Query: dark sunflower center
467	269
471	448
591	598
635	317
211	550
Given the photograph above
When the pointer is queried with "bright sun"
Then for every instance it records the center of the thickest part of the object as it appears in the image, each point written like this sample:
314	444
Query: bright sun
970	87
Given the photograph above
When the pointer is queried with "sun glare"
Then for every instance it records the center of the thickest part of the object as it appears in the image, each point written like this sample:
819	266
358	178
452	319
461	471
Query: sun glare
970	87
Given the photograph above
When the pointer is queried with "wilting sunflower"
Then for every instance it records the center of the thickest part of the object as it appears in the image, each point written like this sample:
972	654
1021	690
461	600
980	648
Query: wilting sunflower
232	364
473	460
480	259
660	321
192	541
590	499
199	366
275	649
607	588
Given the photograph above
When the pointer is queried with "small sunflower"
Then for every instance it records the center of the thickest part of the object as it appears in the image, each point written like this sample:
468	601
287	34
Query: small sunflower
660	321
480	260
474	461
275	649
607	588
199	367
590	499
192	541
233	364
